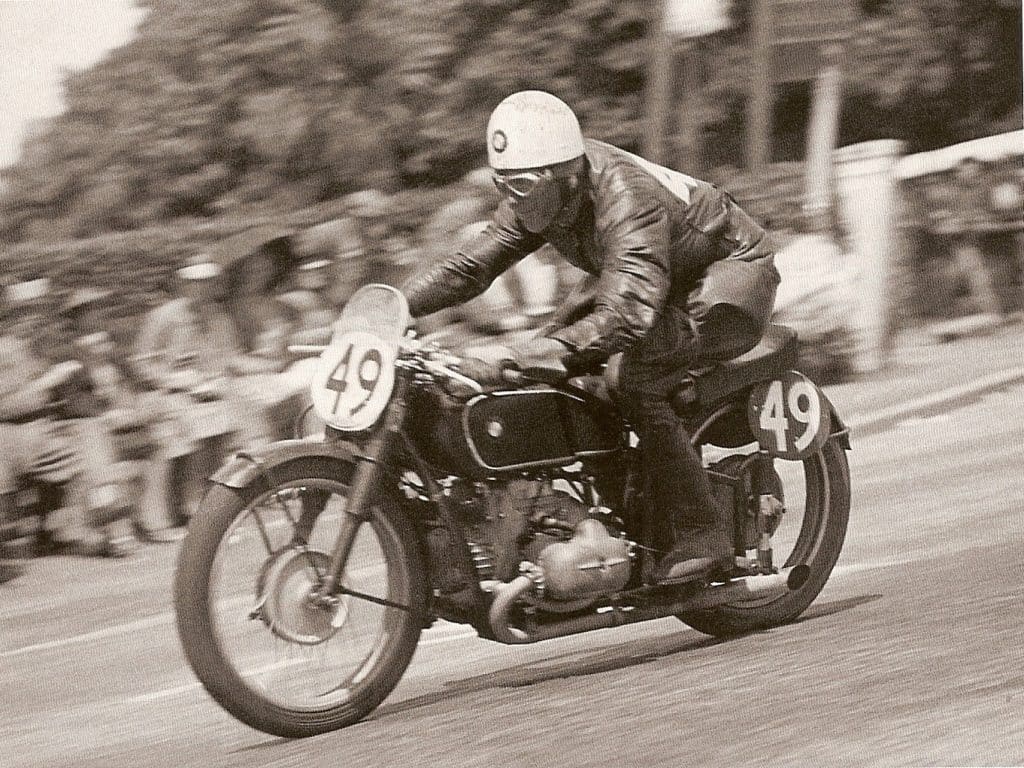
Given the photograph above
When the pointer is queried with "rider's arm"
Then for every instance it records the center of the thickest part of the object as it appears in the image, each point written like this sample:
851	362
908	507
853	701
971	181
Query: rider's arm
472	269
632	228
580	302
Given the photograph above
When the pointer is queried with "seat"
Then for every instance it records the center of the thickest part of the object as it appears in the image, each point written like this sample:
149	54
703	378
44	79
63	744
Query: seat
776	353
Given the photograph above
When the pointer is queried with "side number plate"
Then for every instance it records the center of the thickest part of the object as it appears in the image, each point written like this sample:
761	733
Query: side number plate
789	416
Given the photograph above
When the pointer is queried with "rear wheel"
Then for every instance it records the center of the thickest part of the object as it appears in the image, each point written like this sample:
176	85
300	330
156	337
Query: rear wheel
817	501
271	655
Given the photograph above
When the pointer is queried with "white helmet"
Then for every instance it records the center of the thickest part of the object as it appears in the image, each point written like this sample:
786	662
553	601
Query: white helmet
532	129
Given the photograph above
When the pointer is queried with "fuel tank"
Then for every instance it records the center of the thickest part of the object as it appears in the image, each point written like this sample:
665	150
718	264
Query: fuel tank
509	431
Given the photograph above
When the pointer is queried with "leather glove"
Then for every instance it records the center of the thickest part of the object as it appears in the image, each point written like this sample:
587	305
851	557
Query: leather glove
486	372
540	357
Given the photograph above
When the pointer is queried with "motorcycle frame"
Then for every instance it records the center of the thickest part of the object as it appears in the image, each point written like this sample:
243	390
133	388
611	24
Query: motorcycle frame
386	450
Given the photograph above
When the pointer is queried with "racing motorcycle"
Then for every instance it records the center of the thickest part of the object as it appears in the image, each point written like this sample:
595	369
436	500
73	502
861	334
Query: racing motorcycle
314	564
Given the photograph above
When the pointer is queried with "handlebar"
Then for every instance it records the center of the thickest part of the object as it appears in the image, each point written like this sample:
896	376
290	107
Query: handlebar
306	350
431	358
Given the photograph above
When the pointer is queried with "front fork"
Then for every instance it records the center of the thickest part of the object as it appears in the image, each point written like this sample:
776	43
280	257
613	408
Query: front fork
365	481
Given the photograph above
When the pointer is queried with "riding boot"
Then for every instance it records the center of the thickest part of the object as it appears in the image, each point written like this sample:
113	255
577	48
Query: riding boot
683	512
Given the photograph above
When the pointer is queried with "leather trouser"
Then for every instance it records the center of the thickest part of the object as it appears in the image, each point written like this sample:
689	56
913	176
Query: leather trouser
676	489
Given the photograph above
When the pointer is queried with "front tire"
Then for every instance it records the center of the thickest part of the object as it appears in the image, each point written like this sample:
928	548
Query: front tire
818	546
259	647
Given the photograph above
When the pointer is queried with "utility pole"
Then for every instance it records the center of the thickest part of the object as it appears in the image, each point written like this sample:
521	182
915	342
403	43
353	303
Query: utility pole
822	132
659	84
759	100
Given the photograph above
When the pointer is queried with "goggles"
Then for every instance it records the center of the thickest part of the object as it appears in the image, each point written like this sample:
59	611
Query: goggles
518	185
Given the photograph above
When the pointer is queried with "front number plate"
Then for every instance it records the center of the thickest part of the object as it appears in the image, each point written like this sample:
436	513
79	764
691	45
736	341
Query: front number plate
789	416
354	380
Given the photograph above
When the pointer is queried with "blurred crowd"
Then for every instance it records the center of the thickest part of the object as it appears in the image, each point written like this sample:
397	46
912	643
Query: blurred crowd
109	432
970	255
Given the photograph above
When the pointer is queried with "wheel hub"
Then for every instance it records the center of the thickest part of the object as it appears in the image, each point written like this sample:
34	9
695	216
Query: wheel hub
287	598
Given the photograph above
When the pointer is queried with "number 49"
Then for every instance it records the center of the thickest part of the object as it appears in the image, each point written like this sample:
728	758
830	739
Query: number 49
781	408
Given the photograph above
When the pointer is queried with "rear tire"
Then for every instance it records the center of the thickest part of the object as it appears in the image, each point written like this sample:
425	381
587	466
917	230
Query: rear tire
406	582
831	478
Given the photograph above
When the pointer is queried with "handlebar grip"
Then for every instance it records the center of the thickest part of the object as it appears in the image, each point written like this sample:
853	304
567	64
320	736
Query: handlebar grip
513	376
306	350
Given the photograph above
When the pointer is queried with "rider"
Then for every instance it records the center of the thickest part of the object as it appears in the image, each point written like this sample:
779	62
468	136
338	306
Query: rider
679	275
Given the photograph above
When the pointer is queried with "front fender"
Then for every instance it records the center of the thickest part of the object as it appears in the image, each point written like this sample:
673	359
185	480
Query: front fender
247	467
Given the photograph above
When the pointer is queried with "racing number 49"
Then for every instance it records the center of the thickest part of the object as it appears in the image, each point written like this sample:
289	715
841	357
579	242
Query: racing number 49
798	403
367	371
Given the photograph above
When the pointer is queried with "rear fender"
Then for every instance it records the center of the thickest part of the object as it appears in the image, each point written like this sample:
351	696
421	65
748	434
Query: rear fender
839	431
727	427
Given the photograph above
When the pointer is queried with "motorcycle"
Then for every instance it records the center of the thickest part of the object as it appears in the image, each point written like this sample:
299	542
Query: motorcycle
314	564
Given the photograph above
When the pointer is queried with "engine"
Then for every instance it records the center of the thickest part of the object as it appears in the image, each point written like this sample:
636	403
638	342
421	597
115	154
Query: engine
571	550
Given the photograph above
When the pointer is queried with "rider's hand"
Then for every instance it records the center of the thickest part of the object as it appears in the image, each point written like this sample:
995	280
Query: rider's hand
482	371
540	354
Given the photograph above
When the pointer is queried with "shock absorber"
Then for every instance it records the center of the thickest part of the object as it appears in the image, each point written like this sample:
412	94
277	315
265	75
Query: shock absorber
769	508
483	561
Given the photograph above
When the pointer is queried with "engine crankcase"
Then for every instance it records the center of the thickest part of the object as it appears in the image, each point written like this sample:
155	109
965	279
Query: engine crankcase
590	563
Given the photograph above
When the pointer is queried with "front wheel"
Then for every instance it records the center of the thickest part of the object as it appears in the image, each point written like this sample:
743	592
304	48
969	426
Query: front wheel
270	653
817	501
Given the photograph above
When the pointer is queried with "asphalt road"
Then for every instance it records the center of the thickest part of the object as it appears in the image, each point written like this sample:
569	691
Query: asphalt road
913	654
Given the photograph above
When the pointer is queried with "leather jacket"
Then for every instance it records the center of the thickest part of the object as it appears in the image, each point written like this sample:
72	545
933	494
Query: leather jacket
648	235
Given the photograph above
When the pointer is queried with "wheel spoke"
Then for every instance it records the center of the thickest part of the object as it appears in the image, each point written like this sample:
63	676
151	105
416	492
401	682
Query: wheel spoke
290	647
284	509
262	527
343	590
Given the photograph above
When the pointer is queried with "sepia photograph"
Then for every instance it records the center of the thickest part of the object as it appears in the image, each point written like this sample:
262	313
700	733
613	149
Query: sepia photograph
511	383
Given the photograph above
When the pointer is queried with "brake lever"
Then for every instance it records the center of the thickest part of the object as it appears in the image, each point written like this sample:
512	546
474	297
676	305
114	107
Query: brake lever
550	375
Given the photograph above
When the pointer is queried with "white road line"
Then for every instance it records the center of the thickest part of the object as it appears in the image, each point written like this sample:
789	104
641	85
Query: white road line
458	633
843	570
166	693
114	630
163	693
438	632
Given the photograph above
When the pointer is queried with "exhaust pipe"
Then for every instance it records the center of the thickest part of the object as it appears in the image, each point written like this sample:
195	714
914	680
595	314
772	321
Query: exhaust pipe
739	590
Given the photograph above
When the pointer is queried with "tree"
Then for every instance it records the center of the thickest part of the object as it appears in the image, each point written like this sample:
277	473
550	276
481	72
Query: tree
236	106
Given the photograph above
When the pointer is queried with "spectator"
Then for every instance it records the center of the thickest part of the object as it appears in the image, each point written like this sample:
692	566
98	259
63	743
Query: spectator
967	230
816	295
264	324
310	302
47	444
134	427
331	269
188	350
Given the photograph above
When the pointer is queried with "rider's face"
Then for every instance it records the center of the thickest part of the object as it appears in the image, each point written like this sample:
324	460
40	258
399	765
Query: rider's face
536	196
